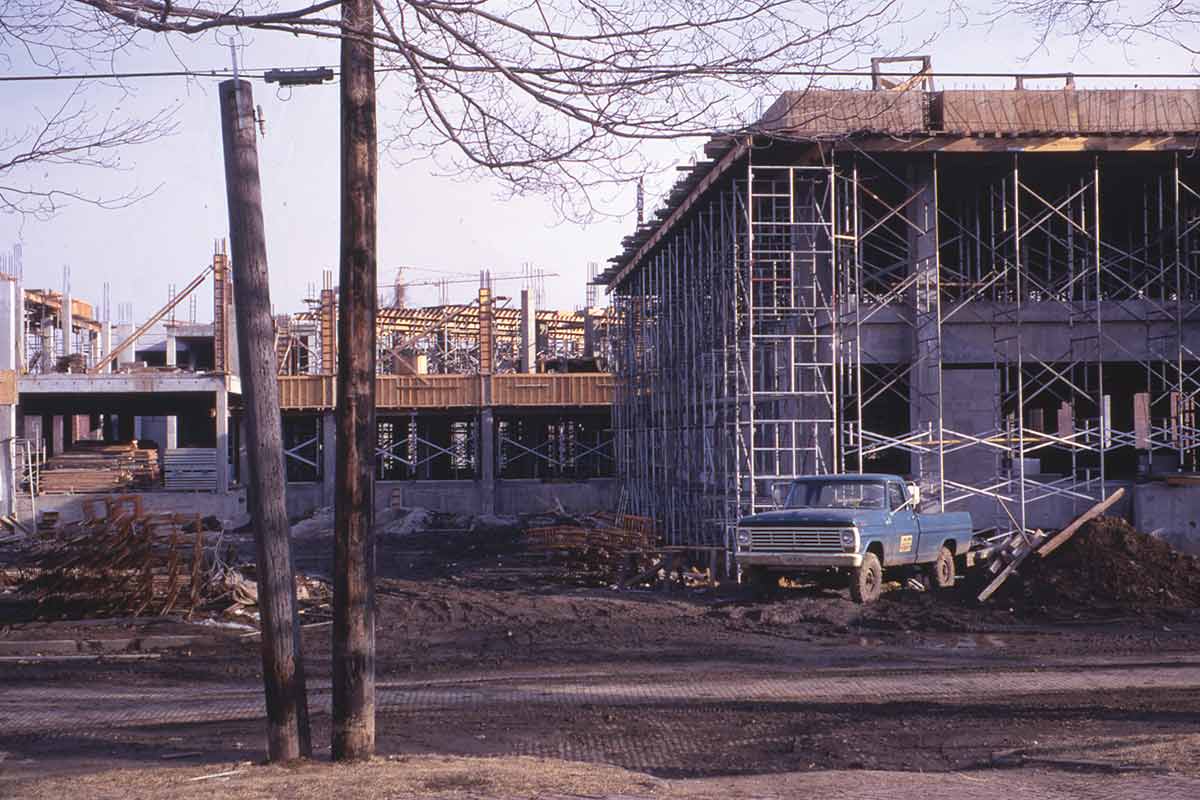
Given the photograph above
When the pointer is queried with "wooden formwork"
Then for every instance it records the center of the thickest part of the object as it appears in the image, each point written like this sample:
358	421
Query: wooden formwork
315	392
579	389
427	391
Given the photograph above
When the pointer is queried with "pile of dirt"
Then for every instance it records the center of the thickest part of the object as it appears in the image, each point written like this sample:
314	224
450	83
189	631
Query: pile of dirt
1109	563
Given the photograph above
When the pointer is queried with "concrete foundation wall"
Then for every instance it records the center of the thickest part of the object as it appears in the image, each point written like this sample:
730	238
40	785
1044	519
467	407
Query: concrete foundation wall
231	508
1173	512
511	496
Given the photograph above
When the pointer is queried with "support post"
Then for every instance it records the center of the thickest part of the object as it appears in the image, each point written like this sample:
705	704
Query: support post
528	333
57	438
106	343
10	342
67	320
171	421
328	457
283	667
487	460
354	547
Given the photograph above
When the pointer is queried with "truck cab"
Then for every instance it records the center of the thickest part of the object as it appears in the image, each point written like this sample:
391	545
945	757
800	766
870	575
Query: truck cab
862	526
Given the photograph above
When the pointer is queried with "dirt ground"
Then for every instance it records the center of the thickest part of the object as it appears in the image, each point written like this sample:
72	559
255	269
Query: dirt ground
589	691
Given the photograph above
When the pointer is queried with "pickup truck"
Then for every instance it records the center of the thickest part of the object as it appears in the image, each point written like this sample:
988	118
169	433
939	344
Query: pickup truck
861	526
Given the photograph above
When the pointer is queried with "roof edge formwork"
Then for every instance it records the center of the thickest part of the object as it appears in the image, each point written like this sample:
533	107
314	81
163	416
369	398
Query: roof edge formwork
916	121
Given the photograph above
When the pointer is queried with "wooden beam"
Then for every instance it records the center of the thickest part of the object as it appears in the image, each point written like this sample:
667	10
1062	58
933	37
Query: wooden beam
1060	538
162	312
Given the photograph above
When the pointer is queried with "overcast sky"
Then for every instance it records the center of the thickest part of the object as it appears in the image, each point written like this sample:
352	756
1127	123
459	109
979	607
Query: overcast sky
426	219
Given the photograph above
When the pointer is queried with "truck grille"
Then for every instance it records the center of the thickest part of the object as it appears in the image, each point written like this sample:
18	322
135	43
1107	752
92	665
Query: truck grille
796	540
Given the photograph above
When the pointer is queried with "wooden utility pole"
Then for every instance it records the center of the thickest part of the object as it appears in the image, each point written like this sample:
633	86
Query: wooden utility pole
354	548
283	668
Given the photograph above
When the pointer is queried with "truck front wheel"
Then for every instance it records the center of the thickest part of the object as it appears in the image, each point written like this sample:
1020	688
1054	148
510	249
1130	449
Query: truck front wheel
866	581
761	582
942	570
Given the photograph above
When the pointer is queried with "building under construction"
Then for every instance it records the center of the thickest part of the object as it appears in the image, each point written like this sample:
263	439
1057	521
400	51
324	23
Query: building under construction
488	406
992	292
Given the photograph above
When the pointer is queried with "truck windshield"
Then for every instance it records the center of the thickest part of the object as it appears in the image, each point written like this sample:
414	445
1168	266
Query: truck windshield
836	494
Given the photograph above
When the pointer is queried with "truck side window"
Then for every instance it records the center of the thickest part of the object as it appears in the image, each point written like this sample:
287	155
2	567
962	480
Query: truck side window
895	495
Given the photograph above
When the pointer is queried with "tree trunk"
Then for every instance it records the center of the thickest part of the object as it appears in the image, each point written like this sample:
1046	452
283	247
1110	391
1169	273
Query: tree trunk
283	666
354	550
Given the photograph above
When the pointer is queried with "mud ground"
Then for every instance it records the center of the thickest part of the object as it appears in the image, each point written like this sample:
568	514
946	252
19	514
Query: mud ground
463	607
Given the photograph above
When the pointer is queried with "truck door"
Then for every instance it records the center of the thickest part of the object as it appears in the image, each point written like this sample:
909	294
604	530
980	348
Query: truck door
905	527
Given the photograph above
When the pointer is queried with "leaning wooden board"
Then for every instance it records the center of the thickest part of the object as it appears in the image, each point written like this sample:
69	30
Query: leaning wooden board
1050	545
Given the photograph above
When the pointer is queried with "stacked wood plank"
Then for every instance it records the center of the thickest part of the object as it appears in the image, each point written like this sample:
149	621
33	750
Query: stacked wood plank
91	467
594	533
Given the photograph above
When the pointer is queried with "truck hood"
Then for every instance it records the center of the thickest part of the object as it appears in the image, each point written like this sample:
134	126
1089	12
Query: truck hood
831	517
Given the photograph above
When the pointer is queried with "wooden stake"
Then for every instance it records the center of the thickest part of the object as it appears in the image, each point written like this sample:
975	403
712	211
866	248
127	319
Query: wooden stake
283	666
354	547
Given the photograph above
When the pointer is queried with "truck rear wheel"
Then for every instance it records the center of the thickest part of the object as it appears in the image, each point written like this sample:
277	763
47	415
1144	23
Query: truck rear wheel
866	581
941	572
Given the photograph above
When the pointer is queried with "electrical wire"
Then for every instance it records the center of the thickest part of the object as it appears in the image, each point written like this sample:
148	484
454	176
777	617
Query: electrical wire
257	74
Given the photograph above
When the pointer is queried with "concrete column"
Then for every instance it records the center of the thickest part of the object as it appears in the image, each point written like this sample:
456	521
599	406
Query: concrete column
925	380
328	457
106	342
222	411
487	461
126	427
56	435
49	356
172	422
10	343
93	347
528	333
128	355
67	321
589	334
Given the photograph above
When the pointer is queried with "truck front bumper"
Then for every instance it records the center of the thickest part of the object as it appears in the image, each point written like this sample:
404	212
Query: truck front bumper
799	560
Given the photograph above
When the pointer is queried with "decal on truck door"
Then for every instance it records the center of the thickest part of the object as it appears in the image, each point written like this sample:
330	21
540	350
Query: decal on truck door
905	544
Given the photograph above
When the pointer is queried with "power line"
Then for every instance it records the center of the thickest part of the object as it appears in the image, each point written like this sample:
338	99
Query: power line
259	74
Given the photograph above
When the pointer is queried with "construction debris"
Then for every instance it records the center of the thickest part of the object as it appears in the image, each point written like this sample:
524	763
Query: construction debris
124	563
121	561
1108	563
1009	554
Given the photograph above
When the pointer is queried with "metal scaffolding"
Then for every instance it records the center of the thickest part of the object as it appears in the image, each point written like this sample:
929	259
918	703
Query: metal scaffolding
1015	331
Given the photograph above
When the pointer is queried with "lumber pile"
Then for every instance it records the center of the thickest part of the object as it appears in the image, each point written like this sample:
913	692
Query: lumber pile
93	467
596	534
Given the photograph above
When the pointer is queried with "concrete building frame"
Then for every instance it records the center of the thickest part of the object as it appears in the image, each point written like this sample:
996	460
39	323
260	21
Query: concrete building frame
1011	323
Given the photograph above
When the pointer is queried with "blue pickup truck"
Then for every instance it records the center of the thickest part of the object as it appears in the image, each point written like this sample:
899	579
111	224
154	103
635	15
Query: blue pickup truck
860	525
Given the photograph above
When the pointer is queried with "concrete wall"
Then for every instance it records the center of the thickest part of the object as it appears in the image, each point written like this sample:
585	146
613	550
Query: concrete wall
231	508
511	496
1171	511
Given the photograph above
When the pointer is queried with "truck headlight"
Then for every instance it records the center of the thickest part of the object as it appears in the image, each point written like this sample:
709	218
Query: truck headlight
743	537
849	540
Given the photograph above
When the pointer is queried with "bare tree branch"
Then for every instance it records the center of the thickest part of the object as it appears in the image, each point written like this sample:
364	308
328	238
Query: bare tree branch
549	95
1173	21
72	135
